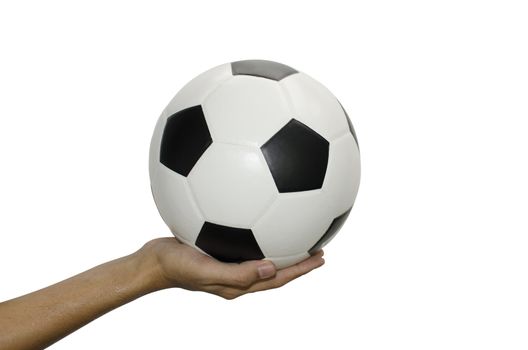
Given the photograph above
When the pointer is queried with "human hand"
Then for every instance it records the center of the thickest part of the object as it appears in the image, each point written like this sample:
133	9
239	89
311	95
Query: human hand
185	267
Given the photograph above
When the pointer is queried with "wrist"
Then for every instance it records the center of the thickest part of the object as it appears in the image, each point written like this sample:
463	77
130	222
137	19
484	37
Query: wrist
149	268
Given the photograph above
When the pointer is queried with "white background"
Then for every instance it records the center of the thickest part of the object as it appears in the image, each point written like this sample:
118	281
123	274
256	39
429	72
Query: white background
434	254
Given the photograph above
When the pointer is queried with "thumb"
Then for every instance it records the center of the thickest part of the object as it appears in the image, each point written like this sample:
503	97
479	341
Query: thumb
245	274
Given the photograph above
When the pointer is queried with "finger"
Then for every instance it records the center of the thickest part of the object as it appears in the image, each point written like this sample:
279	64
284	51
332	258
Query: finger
241	275
290	273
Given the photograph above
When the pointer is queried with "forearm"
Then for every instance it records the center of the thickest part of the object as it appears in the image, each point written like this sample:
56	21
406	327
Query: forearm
38	319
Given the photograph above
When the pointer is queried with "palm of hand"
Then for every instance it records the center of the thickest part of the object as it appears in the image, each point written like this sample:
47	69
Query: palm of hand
185	267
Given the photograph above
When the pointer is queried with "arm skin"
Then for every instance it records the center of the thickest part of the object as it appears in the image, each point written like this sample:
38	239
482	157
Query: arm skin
39	319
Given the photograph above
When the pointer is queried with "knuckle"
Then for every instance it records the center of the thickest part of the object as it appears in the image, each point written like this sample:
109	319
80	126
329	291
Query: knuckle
241	281
279	283
229	295
226	296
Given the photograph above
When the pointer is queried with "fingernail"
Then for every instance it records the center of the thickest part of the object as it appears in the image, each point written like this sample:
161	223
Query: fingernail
266	270
318	252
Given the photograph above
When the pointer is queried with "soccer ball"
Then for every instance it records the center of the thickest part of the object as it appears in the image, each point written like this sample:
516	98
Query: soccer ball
254	160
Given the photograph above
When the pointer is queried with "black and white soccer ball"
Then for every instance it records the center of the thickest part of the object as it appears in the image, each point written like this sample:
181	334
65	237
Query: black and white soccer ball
254	160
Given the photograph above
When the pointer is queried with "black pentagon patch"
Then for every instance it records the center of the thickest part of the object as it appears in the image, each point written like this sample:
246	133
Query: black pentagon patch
185	138
350	126
261	68
297	157
228	244
332	230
